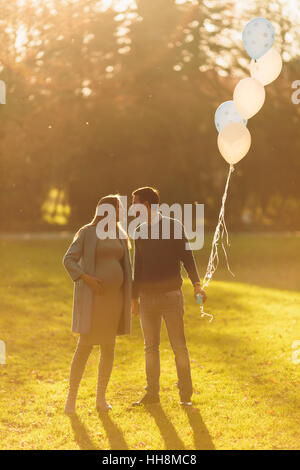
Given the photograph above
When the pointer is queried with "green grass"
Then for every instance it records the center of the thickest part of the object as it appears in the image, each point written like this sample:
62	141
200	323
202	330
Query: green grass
247	388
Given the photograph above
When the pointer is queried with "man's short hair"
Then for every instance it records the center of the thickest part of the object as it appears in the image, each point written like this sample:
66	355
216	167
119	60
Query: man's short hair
147	194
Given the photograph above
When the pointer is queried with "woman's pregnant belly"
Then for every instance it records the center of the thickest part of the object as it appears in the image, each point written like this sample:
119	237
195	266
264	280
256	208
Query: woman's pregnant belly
110	271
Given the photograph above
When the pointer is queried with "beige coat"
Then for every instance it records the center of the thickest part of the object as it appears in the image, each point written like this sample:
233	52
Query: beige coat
79	259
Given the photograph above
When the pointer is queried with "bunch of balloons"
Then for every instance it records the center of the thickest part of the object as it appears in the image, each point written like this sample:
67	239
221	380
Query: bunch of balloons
231	117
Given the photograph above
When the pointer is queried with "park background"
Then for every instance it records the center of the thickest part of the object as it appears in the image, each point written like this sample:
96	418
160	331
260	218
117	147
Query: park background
105	96
103	99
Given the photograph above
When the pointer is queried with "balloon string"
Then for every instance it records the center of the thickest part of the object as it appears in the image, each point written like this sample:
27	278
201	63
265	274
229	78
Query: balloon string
218	238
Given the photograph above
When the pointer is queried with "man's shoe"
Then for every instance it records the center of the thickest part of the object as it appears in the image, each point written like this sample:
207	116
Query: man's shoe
147	400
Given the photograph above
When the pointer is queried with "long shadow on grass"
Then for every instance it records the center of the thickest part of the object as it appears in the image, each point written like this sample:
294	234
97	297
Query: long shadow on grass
244	357
81	435
168	432
114	433
202	439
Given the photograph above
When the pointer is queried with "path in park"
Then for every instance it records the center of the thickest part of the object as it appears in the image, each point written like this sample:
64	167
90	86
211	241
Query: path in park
36	236
67	235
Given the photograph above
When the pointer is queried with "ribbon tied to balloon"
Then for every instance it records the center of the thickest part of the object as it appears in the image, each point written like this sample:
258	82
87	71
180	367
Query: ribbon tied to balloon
231	118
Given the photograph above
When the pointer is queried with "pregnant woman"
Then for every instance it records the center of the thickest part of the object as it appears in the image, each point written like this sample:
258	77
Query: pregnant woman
101	271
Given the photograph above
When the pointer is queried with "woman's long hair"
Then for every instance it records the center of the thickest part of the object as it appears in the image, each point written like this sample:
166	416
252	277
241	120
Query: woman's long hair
115	201
112	199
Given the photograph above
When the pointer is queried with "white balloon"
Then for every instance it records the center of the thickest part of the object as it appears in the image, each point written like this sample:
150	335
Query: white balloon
234	142
248	96
267	68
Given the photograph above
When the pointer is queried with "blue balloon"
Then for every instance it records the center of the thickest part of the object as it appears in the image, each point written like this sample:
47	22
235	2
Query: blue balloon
227	113
258	37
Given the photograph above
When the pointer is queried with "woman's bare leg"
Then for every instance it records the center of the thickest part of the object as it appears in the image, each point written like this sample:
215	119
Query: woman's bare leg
79	361
106	361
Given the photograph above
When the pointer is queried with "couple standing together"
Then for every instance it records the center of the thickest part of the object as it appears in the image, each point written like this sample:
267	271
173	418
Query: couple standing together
104	297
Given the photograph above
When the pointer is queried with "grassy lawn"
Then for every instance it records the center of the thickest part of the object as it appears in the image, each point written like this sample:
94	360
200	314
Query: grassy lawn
247	389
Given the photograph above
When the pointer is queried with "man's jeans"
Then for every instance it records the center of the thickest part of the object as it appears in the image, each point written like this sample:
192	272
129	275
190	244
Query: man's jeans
170	306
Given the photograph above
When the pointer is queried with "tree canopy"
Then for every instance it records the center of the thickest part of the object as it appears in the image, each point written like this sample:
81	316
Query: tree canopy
106	96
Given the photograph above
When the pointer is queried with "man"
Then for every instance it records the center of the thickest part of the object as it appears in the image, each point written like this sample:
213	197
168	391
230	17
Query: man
157	294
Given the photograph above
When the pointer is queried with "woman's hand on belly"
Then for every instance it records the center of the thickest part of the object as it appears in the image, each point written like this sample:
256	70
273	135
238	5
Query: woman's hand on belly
95	284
